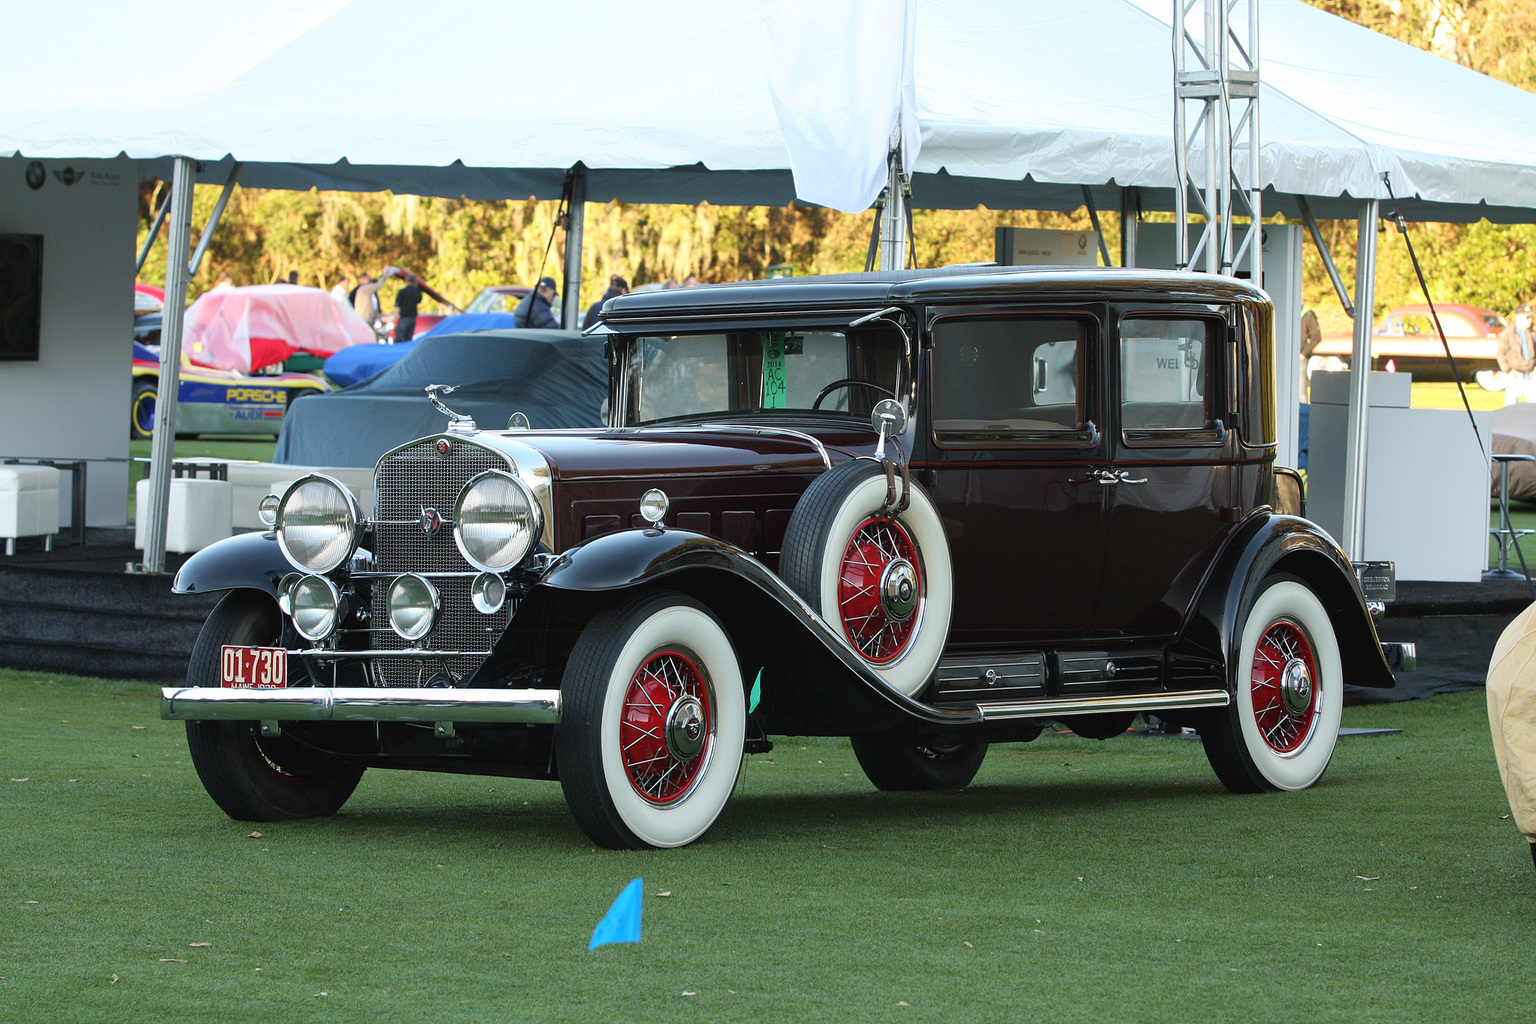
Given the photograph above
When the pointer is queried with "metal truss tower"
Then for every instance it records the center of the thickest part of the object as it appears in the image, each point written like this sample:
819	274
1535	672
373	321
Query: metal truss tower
1216	83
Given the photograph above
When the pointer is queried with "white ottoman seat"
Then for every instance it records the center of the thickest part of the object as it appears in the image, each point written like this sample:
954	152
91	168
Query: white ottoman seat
200	513
29	504
255	480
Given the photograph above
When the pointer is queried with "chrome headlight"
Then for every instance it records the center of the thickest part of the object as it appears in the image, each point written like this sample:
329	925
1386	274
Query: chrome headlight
413	605
317	523
316	605
496	522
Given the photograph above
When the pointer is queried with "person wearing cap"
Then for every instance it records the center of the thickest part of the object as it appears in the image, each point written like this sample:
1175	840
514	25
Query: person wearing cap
536	308
616	286
1517	357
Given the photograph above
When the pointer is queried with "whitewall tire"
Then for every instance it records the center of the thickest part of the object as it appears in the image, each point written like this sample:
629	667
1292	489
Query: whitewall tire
1288	695
882	581
653	723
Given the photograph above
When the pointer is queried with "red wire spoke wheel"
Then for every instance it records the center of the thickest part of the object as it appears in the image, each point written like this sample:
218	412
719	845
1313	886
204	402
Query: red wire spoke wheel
1287	685
1284	687
880	577
653	722
879	591
665	727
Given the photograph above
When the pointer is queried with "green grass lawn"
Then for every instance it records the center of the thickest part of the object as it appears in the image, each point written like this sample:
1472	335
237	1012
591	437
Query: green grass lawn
1074	881
1443	395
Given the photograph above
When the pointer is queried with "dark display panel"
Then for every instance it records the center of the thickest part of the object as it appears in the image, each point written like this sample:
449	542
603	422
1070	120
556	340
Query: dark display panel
21	296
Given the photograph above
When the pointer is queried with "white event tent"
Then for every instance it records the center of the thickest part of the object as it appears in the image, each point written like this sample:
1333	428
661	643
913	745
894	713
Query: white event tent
1023	104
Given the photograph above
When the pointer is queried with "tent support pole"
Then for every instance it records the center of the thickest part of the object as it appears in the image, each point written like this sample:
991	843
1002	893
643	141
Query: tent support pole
213	221
1130	219
1098	232
1360	383
154	233
1322	248
162	447
575	224
893	224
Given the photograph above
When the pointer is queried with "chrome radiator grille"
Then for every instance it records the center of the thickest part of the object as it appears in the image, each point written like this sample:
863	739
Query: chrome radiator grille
412	479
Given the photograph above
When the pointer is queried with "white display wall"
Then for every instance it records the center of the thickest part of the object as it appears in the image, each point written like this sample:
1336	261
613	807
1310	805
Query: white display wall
73	402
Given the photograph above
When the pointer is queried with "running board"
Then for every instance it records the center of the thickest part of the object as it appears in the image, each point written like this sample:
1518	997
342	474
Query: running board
1104	704
360	704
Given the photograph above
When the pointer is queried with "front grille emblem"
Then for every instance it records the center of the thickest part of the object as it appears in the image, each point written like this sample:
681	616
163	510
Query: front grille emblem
443	446
431	521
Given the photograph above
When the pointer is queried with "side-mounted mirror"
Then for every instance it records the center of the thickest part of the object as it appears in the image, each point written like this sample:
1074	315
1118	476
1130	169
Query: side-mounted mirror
888	418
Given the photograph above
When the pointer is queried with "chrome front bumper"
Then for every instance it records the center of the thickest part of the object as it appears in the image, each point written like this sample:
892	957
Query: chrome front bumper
360	704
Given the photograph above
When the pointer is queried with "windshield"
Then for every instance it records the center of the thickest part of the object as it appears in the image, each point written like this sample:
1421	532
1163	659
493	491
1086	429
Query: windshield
693	376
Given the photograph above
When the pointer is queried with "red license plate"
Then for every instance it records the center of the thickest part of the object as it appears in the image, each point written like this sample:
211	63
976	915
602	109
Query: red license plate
263	668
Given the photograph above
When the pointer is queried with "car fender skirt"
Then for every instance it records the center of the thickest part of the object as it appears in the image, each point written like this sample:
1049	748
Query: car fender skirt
811	679
250	561
1268	544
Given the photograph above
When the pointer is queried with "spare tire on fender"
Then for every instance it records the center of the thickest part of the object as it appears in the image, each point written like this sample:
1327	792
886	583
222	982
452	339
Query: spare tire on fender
882	579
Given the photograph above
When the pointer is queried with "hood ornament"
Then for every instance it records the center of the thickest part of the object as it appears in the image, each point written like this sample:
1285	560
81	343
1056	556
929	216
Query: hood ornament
458	423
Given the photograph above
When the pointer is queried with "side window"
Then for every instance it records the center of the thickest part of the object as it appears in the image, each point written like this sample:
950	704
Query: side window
1168	375
1257	378
1001	380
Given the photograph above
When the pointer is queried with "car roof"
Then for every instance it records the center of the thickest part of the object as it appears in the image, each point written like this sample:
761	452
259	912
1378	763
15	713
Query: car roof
972	282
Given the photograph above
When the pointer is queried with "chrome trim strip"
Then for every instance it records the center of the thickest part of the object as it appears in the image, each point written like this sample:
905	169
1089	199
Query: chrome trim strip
410	653
1104	704
444	574
744	428
360	704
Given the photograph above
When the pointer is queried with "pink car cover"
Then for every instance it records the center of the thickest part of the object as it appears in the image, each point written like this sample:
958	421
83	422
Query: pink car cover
244	329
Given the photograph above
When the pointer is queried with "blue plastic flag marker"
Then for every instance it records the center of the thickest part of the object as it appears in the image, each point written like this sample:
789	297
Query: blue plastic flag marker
622	922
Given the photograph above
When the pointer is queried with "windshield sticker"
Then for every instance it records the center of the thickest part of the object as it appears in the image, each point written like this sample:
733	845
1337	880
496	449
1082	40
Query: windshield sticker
774	384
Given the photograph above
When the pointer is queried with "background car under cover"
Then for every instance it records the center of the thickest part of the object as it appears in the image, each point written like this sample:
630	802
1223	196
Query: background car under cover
557	378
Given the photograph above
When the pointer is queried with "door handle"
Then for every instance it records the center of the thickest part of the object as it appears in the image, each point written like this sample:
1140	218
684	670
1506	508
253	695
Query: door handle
1114	476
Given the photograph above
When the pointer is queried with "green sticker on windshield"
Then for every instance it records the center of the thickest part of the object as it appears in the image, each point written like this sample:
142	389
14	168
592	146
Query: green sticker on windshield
774	384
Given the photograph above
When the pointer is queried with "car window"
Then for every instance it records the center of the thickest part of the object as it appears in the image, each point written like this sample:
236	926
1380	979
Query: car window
707	375
1003	379
1166	372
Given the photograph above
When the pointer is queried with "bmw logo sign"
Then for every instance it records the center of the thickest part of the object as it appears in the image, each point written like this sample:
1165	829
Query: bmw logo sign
37	177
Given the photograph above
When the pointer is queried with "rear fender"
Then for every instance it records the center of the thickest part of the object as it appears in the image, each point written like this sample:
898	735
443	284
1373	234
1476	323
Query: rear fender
1270	543
249	561
810	679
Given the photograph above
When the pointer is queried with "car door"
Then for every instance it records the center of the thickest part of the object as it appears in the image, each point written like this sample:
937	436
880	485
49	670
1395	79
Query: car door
1175	489
1013	441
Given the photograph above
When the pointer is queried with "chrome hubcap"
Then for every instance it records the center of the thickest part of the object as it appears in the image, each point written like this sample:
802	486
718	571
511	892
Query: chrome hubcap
685	728
898	590
1296	687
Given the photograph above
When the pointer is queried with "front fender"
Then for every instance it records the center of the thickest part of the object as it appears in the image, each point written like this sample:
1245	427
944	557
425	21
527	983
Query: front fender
770	625
1271	543
249	561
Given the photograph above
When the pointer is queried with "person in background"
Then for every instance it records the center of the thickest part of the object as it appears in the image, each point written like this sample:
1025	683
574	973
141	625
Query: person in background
363	298
406	301
670	283
536	308
224	283
342	289
1517	357
1311	337
616	286
691	281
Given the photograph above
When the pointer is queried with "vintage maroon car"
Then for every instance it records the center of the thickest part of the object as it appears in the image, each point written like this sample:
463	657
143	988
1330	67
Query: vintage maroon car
1405	338
928	510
